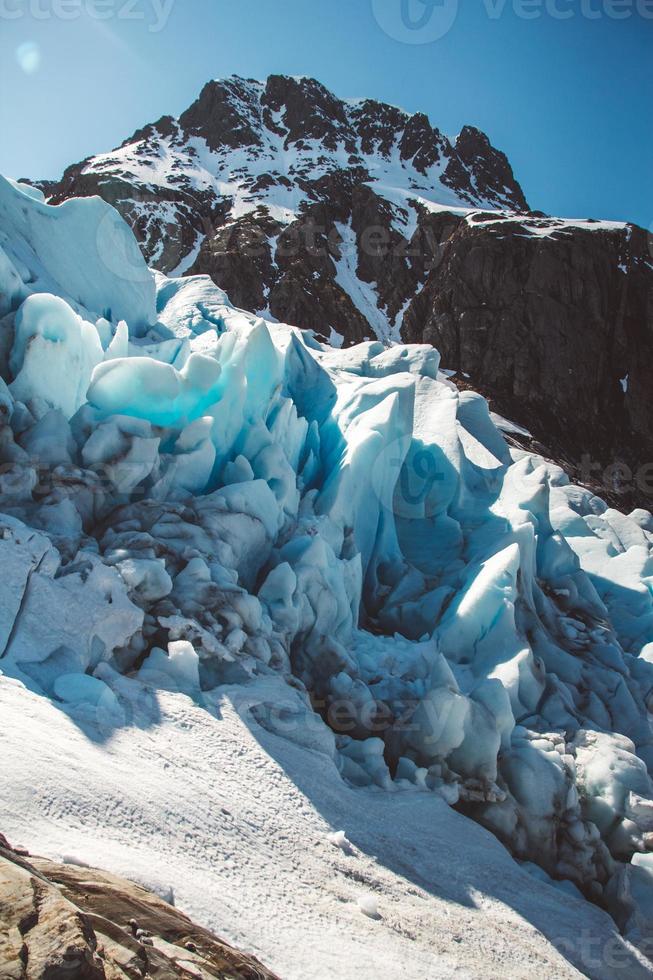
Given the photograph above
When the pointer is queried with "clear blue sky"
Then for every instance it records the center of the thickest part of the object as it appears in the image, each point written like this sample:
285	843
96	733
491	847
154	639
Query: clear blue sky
569	100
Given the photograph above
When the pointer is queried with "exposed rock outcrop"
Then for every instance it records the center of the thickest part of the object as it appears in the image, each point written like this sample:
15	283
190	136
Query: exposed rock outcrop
59	921
554	322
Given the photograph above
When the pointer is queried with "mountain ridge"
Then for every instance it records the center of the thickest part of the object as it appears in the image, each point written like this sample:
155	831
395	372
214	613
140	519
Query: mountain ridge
267	119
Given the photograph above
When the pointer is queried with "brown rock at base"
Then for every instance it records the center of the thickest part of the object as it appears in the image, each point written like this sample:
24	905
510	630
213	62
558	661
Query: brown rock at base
61	921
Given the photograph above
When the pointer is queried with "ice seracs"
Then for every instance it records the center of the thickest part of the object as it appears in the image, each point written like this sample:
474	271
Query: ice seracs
88	256
224	500
53	354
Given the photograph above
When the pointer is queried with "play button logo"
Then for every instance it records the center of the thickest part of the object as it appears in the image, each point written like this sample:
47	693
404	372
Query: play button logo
415	21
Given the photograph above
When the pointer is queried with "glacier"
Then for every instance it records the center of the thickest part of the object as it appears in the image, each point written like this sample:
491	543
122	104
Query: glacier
194	500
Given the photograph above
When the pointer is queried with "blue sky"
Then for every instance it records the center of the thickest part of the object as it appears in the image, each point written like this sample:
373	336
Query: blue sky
569	100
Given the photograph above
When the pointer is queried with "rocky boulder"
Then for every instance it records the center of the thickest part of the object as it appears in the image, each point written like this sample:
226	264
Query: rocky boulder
59	921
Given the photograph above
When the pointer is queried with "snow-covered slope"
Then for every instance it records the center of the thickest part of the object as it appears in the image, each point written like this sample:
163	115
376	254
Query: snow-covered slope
225	543
257	835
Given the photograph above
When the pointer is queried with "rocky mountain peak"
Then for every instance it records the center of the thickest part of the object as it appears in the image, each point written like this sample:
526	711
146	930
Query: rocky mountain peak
376	124
489	168
307	111
226	114
282	145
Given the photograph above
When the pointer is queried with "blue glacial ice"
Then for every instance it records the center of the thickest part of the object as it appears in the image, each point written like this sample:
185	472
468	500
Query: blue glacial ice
193	495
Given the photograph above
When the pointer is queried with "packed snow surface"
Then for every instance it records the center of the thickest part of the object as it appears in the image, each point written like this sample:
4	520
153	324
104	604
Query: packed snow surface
258	591
233	822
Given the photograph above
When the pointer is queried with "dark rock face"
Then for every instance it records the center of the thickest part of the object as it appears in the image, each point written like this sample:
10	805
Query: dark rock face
323	214
223	115
308	111
491	169
59	922
305	256
292	270
557	329
239	257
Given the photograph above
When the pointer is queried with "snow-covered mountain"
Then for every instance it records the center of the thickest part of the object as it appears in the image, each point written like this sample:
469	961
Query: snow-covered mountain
250	160
357	220
270	608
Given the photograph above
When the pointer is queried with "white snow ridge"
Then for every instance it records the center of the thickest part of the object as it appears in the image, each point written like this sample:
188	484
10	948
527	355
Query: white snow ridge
290	633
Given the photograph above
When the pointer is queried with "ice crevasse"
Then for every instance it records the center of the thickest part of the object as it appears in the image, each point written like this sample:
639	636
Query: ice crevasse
191	496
